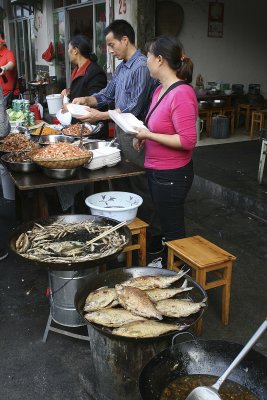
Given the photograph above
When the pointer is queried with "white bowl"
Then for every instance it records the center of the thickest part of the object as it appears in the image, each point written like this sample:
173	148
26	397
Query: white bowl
77	110
121	206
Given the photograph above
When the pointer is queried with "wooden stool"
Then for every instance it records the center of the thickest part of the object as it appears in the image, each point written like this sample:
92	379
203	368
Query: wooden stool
137	227
204	257
230	111
258	118
246	109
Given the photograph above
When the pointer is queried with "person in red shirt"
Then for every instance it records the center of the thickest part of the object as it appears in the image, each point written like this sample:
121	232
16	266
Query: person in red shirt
8	70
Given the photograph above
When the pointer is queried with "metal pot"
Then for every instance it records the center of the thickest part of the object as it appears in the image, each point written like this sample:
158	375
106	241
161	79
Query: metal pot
210	357
70	219
118	275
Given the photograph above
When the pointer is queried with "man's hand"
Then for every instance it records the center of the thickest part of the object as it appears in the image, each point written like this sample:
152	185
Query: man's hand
80	100
65	92
92	116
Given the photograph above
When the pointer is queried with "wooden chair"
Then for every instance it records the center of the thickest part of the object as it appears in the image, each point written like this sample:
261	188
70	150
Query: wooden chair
257	120
205	259
246	109
138	228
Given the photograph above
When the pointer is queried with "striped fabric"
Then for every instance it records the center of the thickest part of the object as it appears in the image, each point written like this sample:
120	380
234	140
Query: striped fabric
130	86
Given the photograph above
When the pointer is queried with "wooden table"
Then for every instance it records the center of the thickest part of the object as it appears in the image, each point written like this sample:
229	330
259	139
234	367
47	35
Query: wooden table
36	183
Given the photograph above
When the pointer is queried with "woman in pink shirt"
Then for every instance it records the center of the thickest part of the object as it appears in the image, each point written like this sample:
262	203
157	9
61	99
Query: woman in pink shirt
170	136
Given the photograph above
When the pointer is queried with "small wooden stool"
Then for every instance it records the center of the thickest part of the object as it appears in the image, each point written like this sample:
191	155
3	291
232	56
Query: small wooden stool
246	109
258	119
204	257
137	227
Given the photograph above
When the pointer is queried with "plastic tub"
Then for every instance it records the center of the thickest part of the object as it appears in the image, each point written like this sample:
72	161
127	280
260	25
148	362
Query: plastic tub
54	102
121	206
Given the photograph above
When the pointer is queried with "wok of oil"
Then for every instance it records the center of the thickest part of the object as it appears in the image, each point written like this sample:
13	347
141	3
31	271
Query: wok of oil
180	388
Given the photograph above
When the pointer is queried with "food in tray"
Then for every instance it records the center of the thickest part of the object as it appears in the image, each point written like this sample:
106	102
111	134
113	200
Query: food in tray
59	151
17	142
74	130
20	157
47	130
145	329
101	306
178	308
137	301
66	243
101	298
112	317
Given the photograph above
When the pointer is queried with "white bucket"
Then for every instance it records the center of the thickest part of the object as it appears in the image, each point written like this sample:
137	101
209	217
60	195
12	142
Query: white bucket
54	102
8	185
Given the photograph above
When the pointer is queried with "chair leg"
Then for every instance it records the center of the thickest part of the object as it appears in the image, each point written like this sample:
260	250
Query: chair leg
142	250
262	160
226	292
200	277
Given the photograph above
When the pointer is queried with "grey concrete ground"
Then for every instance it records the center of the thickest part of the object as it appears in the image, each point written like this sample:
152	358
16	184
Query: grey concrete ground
31	369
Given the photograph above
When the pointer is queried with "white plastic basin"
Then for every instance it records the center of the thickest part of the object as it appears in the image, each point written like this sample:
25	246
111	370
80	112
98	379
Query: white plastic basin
121	206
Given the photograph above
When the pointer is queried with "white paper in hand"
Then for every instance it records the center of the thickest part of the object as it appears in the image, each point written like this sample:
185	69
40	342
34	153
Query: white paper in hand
64	118
126	121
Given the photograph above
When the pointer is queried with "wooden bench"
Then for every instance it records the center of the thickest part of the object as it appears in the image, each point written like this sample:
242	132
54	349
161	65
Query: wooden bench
205	258
138	228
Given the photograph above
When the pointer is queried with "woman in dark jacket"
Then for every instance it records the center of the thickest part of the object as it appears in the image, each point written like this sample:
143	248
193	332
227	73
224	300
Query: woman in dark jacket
87	77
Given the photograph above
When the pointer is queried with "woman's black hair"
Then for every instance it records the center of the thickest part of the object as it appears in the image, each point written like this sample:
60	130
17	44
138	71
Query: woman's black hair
84	46
121	28
171	50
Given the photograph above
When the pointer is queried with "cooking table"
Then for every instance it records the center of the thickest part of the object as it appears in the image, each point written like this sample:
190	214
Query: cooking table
35	183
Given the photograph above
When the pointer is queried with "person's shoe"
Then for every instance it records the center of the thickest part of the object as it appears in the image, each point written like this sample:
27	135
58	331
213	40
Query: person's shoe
3	254
157	263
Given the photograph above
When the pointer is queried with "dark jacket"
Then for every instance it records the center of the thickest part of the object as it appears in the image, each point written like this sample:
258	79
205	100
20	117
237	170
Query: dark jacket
90	80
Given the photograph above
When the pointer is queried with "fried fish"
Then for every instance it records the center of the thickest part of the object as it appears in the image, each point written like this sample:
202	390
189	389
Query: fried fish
112	317
178	308
137	301
151	281
103	297
145	329
156	295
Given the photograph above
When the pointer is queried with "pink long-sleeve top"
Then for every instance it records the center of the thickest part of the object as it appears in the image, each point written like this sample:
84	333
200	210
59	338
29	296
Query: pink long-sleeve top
176	114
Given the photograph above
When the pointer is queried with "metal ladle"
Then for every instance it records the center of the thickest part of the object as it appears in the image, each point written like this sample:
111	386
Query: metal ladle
211	392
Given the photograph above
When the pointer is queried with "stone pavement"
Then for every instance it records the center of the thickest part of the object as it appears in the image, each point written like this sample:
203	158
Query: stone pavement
34	370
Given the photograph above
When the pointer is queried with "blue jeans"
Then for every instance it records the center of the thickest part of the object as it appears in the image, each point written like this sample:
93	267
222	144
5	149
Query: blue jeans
169	189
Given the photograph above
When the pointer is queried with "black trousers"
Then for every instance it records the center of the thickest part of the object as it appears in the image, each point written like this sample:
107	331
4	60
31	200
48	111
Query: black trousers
168	190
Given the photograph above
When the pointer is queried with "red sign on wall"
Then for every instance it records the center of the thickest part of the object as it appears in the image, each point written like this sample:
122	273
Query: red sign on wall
215	22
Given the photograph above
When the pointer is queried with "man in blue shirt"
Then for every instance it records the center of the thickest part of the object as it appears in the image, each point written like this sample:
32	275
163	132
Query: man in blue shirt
130	89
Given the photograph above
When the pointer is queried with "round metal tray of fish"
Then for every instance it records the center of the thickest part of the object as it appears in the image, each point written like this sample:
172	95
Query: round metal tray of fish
107	302
59	173
60	242
25	166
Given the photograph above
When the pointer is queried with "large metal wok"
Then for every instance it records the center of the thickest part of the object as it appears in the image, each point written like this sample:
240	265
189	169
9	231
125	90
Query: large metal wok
210	357
63	219
111	278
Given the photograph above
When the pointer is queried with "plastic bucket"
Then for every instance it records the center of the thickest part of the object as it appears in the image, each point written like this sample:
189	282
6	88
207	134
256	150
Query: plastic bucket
8	185
54	102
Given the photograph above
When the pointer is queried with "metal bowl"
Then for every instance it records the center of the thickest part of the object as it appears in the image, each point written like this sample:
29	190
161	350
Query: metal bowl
203	104
50	139
56	173
94	145
18	166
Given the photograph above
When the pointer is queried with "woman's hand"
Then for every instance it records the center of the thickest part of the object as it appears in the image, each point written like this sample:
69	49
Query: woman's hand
138	144
64	109
142	133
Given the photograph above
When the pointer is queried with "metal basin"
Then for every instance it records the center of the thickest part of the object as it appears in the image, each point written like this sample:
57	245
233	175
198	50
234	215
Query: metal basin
94	145
50	139
59	173
26	166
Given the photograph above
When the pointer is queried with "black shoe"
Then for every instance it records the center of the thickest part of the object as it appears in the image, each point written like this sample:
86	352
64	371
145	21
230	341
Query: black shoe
3	254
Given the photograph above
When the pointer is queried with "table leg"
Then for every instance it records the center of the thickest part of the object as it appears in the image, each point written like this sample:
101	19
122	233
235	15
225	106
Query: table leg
262	160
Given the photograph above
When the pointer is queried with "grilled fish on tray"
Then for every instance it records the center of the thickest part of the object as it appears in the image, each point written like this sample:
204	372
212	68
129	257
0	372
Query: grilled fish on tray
138	302
152	282
162	294
178	308
112	317
101	298
145	329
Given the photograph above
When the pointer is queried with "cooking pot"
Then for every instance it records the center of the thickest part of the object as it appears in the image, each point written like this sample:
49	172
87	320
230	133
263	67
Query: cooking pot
210	357
118	275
